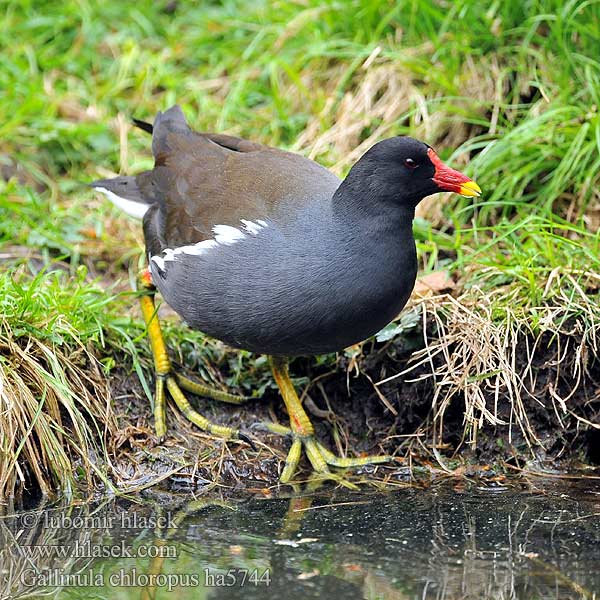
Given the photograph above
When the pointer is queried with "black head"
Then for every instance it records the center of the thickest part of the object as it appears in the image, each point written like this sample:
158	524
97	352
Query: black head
403	171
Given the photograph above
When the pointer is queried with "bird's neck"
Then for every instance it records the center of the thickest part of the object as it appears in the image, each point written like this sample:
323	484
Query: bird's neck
357	201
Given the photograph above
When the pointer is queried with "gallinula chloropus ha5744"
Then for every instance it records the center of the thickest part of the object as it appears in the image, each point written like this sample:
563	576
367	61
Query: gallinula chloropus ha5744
270	252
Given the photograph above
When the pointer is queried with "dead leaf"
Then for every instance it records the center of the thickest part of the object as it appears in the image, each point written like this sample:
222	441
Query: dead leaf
432	283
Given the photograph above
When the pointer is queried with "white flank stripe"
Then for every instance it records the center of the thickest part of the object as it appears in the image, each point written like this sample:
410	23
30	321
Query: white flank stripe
225	235
252	227
195	249
158	261
135	209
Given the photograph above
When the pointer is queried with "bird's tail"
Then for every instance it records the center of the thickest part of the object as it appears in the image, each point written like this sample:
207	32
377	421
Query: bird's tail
125	193
147	127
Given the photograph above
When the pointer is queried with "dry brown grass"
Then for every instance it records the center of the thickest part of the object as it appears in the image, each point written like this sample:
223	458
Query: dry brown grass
384	93
483	351
55	416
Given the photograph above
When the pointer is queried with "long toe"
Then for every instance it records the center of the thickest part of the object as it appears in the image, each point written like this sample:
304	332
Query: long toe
195	417
206	391
319	457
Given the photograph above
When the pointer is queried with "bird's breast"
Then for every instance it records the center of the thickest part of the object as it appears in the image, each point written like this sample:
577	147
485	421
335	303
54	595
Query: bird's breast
308	289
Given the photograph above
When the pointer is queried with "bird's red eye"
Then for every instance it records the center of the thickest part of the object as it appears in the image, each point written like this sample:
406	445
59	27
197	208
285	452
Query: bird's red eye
410	163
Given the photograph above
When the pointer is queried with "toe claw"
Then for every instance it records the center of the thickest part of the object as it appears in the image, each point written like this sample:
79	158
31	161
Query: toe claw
248	440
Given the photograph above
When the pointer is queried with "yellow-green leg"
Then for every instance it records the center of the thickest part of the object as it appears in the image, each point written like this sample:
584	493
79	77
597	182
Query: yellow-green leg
165	378
302	432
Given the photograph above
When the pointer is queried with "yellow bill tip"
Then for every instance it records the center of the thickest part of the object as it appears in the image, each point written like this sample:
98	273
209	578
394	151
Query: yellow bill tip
470	189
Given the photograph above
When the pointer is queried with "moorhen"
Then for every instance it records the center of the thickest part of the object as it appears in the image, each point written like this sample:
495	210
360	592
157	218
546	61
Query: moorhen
269	252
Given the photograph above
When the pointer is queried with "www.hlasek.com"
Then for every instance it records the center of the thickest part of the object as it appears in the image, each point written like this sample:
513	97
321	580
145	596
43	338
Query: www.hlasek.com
89	549
135	578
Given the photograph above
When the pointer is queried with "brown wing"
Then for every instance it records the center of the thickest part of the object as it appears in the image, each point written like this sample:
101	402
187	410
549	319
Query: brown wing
203	180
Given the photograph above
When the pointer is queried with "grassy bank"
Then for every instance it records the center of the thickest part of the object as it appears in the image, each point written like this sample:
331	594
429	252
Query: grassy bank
508	92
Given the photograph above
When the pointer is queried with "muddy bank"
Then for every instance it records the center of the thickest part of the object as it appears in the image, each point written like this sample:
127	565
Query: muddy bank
352	413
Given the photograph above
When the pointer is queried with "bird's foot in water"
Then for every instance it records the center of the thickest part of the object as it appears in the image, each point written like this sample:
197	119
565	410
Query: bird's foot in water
302	432
318	455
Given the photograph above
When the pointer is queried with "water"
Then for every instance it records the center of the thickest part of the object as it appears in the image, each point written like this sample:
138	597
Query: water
449	541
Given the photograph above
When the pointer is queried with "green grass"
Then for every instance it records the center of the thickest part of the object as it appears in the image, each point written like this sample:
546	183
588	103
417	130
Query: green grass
510	89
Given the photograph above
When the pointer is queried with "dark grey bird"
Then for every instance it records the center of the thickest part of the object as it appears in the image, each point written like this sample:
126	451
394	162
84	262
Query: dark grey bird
270	252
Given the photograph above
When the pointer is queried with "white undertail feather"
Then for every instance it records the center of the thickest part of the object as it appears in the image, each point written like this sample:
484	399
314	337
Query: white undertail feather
135	209
225	235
